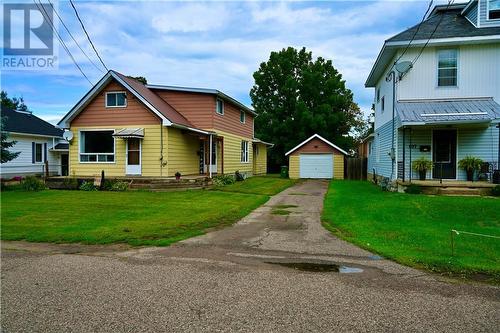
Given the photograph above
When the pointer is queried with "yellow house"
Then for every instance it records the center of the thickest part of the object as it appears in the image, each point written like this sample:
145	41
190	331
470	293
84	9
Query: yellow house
127	128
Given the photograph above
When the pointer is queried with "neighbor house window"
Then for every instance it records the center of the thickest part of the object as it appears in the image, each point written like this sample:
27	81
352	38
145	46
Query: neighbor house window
219	107
382	104
97	146
38	153
378	95
116	99
244	151
493	9
242	116
447	68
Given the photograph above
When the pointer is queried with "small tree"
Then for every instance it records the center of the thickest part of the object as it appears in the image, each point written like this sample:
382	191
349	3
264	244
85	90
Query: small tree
141	79
6	155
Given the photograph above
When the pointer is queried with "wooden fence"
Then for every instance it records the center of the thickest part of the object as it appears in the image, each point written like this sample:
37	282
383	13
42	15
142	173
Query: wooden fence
355	168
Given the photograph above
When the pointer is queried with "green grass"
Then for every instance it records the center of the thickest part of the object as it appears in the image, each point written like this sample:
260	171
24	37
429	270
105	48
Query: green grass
415	229
266	185
135	218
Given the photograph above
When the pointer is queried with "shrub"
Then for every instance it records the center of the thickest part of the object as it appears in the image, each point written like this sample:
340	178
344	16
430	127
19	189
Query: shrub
413	189
88	186
119	186
470	163
32	183
422	164
495	191
223	180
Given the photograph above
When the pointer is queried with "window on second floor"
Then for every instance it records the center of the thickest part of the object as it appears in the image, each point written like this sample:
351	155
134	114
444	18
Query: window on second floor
447	68
493	9
242	116
116	99
382	104
378	95
219	106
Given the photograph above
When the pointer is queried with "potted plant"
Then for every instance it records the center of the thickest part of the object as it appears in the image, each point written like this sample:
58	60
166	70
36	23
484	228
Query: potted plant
470	164
421	165
177	175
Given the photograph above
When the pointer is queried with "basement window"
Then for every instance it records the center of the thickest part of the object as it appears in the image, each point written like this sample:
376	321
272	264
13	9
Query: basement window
494	9
97	146
116	99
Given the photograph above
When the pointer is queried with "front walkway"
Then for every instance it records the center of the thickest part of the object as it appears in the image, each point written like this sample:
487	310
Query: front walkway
241	278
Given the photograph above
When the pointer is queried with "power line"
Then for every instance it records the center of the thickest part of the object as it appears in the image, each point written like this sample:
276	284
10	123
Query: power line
71	35
86	33
42	10
450	2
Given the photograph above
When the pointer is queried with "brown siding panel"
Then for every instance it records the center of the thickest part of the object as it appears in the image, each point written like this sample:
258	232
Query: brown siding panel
315	146
97	114
230	121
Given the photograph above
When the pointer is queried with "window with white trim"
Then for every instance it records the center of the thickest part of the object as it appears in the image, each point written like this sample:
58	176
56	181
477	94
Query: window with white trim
382	104
378	95
38	152
493	9
97	147
219	106
447	68
243	116
244	152
116	99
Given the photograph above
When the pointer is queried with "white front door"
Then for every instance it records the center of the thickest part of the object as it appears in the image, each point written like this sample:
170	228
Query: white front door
133	160
316	166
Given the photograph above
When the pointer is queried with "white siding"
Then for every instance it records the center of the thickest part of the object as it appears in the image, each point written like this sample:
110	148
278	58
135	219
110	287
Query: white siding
22	165
385	91
483	16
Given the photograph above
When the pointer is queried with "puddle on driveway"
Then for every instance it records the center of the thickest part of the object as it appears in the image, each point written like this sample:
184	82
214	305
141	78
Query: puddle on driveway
316	267
375	257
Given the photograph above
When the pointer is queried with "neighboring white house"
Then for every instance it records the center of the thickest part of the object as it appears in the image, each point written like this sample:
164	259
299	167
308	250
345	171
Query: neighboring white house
37	141
447	103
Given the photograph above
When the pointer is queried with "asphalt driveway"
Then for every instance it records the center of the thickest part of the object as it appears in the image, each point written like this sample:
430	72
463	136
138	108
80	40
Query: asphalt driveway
275	270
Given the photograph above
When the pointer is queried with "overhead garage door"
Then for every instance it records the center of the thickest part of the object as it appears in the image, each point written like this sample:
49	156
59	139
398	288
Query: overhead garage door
316	166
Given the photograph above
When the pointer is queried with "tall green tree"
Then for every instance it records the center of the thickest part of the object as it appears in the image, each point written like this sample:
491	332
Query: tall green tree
14	104
297	96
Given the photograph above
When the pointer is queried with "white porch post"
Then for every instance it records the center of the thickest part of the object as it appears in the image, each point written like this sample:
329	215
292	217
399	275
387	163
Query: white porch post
210	156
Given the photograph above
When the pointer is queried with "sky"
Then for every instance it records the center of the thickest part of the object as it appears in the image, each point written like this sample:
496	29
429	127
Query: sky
210	44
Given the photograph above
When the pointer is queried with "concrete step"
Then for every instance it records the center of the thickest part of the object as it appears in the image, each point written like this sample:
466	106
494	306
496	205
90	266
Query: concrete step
459	191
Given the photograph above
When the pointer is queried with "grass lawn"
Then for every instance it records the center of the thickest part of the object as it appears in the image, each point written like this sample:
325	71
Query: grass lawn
415	229
266	185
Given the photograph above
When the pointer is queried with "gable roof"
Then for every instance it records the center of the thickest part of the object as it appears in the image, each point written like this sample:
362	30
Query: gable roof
153	102
448	111
316	136
453	28
27	123
215	92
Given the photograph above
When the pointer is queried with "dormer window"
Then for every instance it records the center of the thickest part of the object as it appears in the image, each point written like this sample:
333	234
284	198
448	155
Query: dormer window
219	107
447	68
116	99
242	116
493	9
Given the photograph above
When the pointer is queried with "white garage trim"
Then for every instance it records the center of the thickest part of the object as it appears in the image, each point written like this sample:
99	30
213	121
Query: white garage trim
316	166
318	137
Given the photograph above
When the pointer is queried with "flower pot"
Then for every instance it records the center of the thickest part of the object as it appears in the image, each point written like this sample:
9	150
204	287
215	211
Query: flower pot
422	174
470	174
177	177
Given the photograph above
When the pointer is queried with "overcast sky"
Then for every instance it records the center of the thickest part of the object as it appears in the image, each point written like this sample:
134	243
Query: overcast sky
211	44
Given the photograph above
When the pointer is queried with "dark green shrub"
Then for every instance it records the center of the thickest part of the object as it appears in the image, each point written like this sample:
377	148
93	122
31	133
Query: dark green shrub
32	183
223	180
413	189
119	186
495	191
88	186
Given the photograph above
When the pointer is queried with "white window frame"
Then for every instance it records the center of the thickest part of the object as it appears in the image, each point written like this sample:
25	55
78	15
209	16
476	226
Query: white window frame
114	106
488	12
456	67
97	154
219	112
245	158
41	152
242	113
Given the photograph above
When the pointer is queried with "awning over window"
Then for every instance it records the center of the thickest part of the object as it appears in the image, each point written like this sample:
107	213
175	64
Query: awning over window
130	133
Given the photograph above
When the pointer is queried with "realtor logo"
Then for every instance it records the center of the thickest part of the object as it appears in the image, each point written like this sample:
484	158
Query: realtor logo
28	36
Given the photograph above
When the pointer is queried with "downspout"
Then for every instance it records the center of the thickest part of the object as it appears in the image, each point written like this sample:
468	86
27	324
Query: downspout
392	76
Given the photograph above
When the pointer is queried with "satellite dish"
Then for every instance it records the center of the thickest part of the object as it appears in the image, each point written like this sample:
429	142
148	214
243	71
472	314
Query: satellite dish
404	66
68	135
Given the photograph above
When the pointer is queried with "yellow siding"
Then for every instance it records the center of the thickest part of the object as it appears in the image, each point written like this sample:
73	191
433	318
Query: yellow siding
232	153
182	153
150	153
294	167
260	160
338	166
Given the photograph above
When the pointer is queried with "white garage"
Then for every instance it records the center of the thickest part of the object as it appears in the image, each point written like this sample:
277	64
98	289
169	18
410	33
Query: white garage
316	165
316	157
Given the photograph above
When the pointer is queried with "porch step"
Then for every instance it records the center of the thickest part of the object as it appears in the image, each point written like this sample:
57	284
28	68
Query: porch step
459	191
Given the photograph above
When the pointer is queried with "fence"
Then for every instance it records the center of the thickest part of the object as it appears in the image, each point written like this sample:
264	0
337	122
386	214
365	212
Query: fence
355	168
